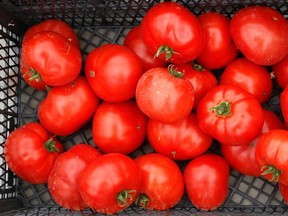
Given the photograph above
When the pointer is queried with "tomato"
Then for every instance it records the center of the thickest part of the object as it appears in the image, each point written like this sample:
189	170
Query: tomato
283	189
206	181
134	41
119	127
162	183
250	77
163	95
113	71
284	103
110	183
30	152
242	158
172	33
64	177
53	57
202	79
182	140
281	72
227	112
69	107
271	155
261	34
219	49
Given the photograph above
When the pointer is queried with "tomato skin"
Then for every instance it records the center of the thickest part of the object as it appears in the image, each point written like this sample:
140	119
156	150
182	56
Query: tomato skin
172	25
119	127
281	72
113	77
242	158
163	97
64	177
284	103
26	154
227	112
249	76
182	140
283	189
261	34
161	181
107	176
206	181
219	49
69	107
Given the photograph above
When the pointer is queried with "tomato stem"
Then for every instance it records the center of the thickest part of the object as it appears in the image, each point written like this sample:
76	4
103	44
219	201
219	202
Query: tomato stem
50	145
167	50
222	109
35	75
173	71
198	67
123	196
270	169
142	200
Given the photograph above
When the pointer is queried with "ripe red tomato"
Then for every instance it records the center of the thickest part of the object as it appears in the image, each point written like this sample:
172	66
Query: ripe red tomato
162	183
163	95
30	152
110	183
64	177
219	48
206	181
284	103
53	56
242	158
182	140
69	107
271	155
172	33
113	71
227	112
281	72
283	189
250	77
261	34
134	41
119	127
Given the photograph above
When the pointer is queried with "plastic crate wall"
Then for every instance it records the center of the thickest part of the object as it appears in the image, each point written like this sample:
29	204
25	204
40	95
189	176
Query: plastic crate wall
96	23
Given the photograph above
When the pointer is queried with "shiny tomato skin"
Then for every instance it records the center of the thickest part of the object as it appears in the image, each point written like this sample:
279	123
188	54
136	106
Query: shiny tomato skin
134	41
242	158
64	177
172	25
69	107
56	60
206	181
106	177
119	127
284	103
283	189
113	71
26	155
261	34
219	49
227	112
251	77
182	140
281	72
164	97
161	181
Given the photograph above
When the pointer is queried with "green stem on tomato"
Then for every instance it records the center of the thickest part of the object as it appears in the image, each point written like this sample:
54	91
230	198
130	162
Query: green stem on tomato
222	109
123	197
174	72
50	145
142	200
198	67
167	50
35	75
270	169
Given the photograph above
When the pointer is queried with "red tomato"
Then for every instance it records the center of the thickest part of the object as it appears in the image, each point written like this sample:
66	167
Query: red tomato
202	79
172	33
163	95
30	152
119	127
182	140
283	189
242	158
284	103
219	49
261	34
113	71
64	177
134	41
227	112
250	77
162	183
69	107
281	72
53	56
110	183
206	181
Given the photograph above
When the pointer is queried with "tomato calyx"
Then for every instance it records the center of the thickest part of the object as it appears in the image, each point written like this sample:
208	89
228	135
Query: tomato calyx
223	109
270	169
167	50
49	145
174	72
35	75
142	200
198	67
123	196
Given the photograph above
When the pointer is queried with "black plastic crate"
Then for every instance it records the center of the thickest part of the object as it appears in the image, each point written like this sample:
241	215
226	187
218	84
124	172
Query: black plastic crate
98	22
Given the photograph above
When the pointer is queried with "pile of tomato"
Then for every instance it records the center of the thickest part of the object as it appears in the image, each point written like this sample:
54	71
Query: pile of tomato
160	86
